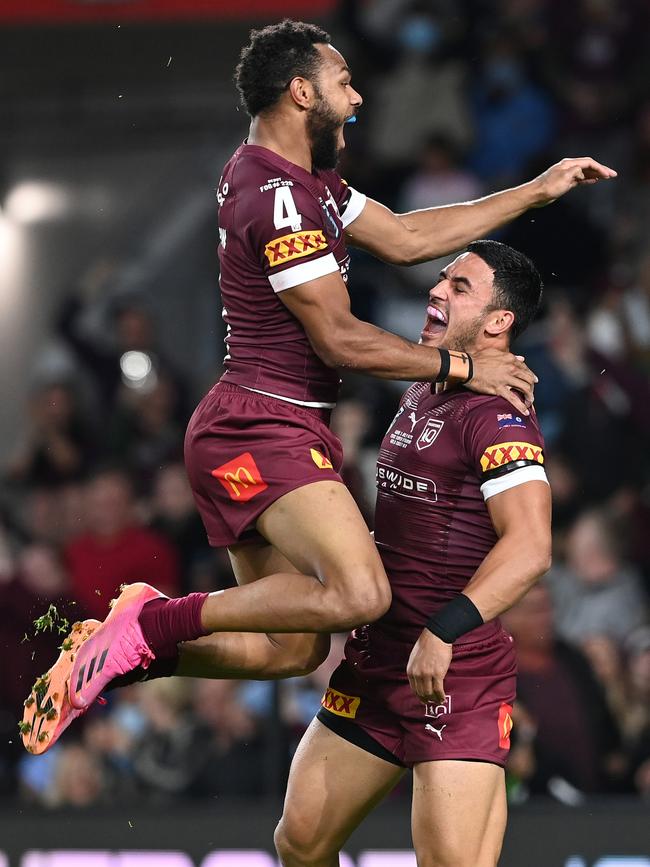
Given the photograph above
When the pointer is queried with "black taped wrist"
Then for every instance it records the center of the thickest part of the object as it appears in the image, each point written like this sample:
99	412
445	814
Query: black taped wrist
455	619
445	364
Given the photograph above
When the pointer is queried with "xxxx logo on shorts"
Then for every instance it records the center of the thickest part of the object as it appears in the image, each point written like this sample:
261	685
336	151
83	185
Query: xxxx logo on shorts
340	703
294	246
506	453
320	460
241	478
505	725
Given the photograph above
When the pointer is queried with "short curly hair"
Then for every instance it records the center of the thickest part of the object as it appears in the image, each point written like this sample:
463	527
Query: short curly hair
275	55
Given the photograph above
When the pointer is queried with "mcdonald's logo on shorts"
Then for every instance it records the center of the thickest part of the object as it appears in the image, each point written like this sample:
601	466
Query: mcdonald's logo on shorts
340	703
505	725
241	478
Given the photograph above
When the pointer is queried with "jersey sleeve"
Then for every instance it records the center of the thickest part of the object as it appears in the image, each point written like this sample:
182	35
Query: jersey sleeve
505	449
349	201
288	234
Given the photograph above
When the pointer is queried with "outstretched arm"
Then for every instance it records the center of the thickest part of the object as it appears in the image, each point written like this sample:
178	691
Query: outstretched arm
522	519
405	239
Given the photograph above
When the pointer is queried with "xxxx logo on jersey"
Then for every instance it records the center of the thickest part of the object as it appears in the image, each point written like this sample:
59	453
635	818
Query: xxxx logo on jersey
294	246
241	478
340	703
506	453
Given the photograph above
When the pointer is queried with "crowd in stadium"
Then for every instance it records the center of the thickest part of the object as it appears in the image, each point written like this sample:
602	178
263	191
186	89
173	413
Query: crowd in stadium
95	494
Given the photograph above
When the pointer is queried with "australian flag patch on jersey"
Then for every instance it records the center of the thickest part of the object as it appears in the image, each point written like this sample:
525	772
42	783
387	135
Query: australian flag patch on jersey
507	419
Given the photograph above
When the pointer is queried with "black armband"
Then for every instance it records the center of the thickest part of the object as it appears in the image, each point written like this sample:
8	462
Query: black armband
455	619
445	363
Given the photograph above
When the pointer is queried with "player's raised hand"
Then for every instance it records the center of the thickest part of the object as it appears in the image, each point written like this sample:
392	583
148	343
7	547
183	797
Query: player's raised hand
497	372
427	667
567	174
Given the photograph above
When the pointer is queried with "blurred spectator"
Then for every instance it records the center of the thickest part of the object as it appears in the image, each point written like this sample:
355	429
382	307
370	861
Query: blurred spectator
58	446
575	734
594	593
596	46
351	422
439	179
232	745
174	516
637	716
422	94
590	407
104	349
39	581
619	324
51	515
143	433
513	118
78	779
171	754
608	664
565	486
115	548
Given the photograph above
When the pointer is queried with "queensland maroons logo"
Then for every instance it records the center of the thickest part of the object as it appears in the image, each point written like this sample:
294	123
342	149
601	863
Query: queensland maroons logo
429	434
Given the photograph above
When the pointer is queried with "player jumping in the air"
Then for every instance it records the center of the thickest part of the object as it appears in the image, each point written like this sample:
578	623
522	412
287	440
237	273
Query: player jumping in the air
263	464
463	527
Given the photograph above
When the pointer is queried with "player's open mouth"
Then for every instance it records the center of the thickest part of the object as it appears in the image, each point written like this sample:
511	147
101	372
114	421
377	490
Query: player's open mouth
436	319
436	323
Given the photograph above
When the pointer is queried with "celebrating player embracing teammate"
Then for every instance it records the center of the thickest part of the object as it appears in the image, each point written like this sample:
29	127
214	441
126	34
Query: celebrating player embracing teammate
262	461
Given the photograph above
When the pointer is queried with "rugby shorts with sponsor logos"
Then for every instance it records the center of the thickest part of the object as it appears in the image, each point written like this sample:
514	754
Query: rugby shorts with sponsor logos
370	703
243	451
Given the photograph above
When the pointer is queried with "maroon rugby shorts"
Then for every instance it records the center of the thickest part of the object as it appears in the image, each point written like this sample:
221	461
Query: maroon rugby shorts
243	451
377	709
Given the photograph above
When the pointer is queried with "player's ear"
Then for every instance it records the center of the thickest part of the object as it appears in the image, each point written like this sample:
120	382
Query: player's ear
302	92
498	322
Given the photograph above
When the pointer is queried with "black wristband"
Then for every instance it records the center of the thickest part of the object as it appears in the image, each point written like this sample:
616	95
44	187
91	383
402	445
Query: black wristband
455	619
471	369
445	363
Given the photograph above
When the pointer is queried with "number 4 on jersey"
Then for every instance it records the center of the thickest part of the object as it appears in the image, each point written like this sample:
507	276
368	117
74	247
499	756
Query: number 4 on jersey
285	212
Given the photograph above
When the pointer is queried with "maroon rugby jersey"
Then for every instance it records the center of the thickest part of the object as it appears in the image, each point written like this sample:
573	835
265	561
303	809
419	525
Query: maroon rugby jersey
443	456
279	226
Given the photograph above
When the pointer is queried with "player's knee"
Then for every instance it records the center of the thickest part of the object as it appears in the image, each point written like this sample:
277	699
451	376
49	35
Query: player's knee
364	598
307	654
297	843
370	600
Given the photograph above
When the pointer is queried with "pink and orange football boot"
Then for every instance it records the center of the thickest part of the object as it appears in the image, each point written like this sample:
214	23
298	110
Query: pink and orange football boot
116	647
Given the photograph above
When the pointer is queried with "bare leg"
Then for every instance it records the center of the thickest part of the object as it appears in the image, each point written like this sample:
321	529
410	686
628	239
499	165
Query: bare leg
332	786
341	582
459	813
253	655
